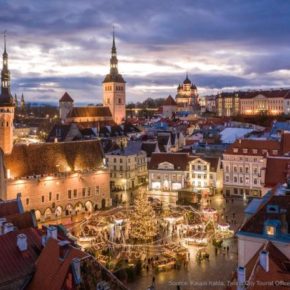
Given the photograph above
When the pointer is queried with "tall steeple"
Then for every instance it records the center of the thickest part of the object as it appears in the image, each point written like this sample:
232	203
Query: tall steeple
7	106
6	97
114	87
114	60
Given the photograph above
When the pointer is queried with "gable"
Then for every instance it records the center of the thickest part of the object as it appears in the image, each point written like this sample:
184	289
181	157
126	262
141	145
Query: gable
165	165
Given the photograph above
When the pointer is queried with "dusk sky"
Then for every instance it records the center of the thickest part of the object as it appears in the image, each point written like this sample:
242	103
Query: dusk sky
56	46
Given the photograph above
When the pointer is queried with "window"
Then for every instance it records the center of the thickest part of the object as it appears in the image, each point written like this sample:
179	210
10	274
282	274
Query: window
270	230
84	192
49	196
121	167
247	169
121	160
235	169
235	179
27	201
75	193
57	196
89	191
115	160
241	169
255	181
69	194
241	180
227	178
42	199
97	189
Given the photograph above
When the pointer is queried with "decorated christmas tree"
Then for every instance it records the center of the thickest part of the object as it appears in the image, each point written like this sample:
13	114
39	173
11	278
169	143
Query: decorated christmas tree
142	220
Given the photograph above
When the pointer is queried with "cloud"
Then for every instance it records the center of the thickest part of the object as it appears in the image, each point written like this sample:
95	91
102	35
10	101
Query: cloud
57	45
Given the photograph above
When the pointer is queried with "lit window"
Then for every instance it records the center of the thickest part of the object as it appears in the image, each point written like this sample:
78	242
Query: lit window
270	230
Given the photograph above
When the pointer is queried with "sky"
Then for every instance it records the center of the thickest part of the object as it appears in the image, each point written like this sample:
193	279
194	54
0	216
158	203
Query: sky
56	46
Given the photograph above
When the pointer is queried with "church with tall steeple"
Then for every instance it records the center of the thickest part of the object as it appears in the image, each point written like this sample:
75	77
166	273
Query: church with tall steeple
6	106
114	89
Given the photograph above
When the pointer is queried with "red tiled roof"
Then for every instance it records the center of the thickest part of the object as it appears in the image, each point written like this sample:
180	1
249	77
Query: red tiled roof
256	223
255	272
51	271
66	98
16	265
251	144
90	111
276	93
179	160
49	158
22	220
9	207
283	93
169	101
285	142
277	170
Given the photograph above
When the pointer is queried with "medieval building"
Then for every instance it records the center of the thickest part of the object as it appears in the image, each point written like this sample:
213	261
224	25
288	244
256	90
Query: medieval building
187	96
113	110
54	179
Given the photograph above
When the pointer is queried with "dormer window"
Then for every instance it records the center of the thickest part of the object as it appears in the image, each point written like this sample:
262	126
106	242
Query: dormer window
272	208
275	152
270	230
272	227
236	150
245	150
255	151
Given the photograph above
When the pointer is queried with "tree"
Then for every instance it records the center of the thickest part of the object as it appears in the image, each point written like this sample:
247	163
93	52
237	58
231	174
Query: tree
142	220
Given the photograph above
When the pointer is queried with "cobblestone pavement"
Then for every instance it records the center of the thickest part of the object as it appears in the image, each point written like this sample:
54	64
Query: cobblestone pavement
212	274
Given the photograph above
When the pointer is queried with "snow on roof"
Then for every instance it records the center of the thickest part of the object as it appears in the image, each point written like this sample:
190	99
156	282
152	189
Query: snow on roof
229	135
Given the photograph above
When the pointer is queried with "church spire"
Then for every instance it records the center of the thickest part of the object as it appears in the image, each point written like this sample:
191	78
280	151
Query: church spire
5	42
114	50
114	60
6	97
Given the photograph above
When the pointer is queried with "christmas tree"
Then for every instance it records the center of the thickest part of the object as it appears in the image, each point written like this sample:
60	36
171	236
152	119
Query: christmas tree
142	220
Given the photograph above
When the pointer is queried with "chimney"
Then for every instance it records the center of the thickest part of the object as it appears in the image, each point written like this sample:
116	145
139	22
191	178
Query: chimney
284	224
8	227
264	260
76	269
241	274
52	232
22	242
2	221
43	240
63	248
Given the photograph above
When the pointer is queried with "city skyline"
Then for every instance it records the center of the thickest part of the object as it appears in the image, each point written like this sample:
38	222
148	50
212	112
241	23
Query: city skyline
56	47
